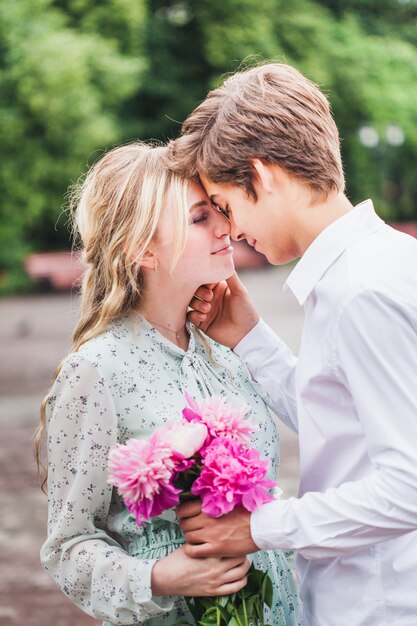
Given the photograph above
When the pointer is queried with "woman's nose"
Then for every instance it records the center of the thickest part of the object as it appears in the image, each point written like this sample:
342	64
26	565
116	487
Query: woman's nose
222	227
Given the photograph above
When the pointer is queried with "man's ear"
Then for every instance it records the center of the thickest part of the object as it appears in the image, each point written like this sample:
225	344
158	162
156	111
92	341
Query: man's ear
266	174
263	174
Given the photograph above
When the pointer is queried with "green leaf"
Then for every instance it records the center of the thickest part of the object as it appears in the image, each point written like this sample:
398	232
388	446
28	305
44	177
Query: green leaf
249	605
267	590
209	619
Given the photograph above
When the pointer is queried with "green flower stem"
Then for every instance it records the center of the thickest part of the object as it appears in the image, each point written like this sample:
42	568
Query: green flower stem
236	616
245	612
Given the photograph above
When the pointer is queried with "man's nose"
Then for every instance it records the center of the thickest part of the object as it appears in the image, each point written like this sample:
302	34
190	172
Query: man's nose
235	232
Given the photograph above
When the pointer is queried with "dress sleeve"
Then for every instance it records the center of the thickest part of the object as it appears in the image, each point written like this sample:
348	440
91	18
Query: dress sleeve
272	366
90	566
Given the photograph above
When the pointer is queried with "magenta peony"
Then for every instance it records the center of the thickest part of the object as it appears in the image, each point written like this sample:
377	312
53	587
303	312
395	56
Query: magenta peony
221	419
232	475
166	498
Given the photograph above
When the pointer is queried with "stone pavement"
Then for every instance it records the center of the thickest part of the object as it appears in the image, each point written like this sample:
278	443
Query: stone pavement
34	335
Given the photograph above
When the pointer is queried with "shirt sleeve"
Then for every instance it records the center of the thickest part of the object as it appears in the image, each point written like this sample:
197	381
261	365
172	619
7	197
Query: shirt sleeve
376	359
271	365
89	565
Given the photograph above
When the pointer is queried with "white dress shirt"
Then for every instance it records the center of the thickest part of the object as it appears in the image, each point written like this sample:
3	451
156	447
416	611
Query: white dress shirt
352	396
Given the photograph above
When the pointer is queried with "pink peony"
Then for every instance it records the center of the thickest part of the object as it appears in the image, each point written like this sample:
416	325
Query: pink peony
232	475
142	471
221	419
165	499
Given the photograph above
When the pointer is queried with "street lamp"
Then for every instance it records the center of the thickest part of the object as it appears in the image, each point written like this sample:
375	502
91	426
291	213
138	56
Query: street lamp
368	136
394	135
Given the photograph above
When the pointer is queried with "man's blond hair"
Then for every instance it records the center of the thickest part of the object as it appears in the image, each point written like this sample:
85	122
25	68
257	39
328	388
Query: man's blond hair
270	112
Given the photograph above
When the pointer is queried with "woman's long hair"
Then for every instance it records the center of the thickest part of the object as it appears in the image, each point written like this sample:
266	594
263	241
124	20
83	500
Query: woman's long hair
115	212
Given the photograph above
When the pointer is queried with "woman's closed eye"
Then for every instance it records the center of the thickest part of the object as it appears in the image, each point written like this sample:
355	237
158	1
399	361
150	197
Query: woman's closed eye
197	219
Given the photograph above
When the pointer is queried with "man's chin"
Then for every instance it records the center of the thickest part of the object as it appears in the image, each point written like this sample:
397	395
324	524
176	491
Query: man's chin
280	259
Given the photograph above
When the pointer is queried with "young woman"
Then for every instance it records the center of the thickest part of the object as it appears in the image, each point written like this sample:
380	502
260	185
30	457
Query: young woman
149	240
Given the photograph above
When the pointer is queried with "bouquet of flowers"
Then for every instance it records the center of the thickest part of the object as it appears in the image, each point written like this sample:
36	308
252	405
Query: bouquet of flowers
206	454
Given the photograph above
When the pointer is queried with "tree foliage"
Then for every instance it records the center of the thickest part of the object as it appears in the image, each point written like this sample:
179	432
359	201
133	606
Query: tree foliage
78	76
61	92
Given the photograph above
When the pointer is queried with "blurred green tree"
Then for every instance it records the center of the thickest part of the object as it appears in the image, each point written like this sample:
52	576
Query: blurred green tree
176	77
61	88
370	56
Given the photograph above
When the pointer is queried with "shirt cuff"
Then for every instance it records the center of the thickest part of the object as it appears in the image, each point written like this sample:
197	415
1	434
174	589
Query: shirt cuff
261	335
140	580
265	526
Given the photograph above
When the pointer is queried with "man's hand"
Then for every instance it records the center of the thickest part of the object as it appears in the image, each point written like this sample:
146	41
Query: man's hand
224	311
228	535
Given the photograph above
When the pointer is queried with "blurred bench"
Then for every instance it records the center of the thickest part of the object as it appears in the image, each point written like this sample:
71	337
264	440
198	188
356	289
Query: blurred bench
410	228
55	271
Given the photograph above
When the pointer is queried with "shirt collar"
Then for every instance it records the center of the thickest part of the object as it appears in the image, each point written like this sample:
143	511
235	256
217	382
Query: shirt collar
328	246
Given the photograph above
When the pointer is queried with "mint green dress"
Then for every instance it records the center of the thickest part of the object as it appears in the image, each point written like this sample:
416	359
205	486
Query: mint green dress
126	383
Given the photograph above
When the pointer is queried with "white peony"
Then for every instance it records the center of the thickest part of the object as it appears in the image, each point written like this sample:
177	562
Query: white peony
186	438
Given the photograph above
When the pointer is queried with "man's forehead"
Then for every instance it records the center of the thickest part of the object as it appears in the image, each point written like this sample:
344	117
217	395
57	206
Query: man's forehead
215	189
204	179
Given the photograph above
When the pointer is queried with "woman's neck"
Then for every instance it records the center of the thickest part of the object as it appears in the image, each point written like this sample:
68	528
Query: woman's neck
166	309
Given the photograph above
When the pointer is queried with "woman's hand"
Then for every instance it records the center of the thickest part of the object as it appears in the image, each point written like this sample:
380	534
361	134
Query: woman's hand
179	575
224	311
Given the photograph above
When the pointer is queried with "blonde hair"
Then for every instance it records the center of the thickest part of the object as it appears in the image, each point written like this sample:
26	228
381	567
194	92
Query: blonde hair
270	112
116	210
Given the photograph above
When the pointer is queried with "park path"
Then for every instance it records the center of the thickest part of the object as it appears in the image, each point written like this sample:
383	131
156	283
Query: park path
34	335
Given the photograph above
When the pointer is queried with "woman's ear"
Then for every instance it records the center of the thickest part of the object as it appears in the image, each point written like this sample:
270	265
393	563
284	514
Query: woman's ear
149	260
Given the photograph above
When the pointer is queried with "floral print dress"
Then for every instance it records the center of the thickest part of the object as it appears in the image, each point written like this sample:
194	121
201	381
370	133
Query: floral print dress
125	383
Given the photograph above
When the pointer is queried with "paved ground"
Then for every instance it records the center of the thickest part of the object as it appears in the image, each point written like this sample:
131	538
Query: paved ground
34	335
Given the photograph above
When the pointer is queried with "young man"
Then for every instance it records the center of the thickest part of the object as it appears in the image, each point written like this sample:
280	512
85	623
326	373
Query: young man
266	149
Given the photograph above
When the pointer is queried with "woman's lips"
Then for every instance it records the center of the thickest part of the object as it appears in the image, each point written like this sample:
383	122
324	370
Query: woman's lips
225	250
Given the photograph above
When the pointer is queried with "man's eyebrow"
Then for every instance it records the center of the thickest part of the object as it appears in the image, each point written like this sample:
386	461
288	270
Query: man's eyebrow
200	203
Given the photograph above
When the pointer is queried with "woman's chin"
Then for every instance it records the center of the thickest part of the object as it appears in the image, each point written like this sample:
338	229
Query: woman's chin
226	274
221	274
